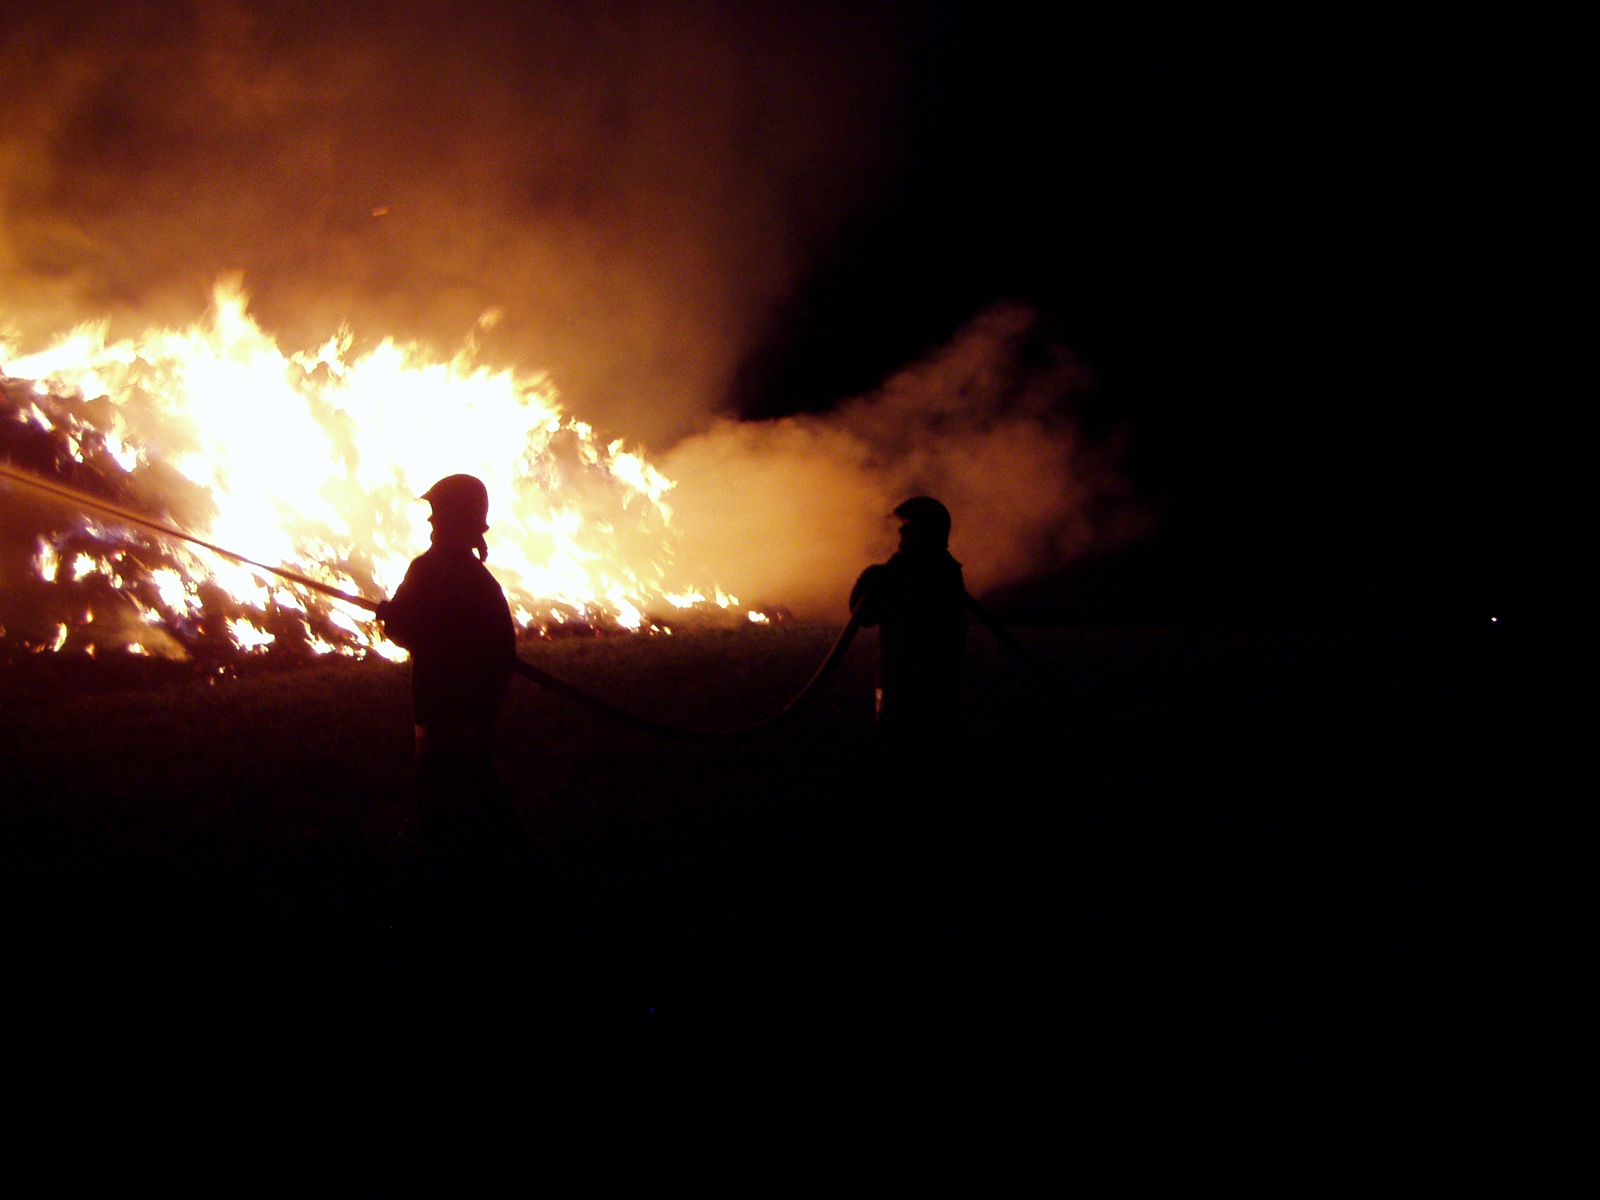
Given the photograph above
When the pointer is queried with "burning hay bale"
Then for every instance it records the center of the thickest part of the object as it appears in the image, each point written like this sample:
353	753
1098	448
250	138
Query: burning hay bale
312	461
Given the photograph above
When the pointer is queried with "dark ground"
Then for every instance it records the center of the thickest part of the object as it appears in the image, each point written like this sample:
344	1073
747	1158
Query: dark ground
1226	904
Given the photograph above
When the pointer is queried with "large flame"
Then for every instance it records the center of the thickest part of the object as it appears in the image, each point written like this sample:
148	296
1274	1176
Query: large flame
313	461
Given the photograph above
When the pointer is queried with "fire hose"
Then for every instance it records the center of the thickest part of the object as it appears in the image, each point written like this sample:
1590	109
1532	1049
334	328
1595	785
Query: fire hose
789	710
704	736
522	667
1003	636
72	496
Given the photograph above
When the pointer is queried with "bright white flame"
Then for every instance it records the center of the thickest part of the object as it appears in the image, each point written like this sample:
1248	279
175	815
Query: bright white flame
314	461
47	561
247	637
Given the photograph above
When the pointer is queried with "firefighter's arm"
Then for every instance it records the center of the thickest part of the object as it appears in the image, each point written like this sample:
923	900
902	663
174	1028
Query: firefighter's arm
398	614
866	597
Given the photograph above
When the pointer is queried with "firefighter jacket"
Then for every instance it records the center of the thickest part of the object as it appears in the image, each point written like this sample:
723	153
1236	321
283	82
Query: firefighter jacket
918	602
451	614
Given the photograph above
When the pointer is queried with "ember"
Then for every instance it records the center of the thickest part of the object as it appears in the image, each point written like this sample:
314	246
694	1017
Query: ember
313	460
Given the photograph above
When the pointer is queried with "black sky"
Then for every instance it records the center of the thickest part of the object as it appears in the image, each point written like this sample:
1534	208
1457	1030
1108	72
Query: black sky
1316	258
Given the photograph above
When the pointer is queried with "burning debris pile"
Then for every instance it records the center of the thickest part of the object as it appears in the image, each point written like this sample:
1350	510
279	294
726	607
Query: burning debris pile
311	461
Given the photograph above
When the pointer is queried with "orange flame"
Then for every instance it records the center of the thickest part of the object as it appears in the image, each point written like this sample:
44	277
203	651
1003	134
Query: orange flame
313	461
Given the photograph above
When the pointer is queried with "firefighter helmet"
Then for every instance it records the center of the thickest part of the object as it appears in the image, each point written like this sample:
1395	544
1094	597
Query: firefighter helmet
460	500
927	516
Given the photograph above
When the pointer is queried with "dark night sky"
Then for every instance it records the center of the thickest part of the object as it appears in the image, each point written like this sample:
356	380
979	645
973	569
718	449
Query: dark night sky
1315	260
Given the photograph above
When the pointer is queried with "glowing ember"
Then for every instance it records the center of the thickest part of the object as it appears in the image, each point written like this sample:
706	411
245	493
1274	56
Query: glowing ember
313	461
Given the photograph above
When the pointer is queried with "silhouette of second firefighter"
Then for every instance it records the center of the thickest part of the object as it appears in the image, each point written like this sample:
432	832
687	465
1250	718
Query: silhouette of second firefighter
918	602
452	616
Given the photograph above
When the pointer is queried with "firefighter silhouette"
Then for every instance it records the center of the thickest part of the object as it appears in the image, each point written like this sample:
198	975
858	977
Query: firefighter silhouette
452	616
917	600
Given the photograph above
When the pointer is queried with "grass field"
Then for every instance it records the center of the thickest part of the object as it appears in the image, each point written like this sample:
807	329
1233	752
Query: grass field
1214	897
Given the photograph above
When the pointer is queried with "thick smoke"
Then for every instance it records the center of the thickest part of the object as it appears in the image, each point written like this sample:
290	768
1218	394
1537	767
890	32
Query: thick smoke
790	510
614	192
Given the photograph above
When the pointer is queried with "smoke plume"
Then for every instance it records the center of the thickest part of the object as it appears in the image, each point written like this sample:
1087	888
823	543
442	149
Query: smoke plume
790	510
614	192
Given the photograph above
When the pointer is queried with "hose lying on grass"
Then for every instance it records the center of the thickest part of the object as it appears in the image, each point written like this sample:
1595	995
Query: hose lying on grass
706	736
1003	635
717	737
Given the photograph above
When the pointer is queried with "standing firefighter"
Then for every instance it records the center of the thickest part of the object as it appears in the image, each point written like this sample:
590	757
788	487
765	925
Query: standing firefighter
918	601
452	616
